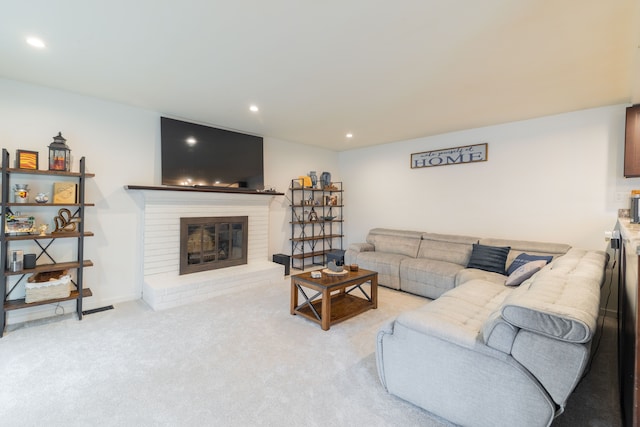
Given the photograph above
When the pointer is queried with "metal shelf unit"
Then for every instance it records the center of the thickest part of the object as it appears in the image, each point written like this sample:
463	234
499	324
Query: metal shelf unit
316	223
43	241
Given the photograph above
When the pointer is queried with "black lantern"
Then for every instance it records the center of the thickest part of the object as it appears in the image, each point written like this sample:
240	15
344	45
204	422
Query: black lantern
59	154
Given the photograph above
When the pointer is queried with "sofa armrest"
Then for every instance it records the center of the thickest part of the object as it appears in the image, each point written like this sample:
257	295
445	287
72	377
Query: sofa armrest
558	365
466	384
362	247
499	334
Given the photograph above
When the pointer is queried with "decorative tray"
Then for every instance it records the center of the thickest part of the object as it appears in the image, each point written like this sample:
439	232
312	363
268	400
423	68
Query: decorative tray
334	273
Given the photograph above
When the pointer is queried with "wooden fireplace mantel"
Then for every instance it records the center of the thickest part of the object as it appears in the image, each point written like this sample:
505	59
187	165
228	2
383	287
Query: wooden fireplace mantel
202	189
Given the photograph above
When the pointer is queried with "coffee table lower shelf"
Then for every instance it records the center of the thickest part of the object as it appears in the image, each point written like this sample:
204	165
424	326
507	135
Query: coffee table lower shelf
343	307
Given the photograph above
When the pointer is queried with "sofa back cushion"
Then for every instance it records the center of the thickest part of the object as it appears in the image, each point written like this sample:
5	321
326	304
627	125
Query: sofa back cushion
446	247
529	247
403	242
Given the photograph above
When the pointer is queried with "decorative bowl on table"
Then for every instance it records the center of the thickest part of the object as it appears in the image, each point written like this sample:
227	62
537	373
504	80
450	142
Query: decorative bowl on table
327	218
42	198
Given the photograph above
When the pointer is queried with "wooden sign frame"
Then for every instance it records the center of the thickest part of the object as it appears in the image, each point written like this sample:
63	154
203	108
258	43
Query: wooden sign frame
450	156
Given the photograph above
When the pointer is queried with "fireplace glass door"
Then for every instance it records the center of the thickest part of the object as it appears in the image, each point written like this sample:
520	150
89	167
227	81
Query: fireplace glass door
209	243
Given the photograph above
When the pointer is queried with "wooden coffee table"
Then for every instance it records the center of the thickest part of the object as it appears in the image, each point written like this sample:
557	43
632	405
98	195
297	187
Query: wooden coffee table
334	300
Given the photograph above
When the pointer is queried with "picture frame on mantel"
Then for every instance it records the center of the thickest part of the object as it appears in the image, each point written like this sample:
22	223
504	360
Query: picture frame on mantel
26	159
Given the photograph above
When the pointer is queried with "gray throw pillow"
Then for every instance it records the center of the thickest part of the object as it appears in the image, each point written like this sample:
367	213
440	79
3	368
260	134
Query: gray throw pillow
489	258
524	272
524	258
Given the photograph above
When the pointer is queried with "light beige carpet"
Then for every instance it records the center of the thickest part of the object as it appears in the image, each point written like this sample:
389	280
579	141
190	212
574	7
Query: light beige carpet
235	360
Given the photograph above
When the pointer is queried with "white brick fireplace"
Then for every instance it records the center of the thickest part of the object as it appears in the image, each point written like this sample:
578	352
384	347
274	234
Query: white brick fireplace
163	286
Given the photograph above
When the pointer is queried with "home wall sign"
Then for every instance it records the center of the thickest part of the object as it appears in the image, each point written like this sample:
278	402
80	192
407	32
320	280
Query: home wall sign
450	156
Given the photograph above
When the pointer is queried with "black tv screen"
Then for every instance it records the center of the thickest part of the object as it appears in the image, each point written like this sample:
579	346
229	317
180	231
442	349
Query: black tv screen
198	155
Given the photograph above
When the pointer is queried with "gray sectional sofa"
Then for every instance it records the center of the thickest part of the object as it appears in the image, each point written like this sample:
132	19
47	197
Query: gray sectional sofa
483	353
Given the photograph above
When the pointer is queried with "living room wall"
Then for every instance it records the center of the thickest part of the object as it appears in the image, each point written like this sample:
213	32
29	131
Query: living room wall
121	145
556	178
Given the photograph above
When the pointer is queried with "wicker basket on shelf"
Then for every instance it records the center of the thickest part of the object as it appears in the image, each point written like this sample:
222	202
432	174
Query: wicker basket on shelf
48	285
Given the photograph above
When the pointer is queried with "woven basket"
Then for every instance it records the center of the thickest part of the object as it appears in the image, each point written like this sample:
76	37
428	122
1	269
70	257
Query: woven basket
45	286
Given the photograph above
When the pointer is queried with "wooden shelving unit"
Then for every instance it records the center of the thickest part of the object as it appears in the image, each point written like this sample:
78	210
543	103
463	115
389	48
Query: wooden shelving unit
16	304
5	240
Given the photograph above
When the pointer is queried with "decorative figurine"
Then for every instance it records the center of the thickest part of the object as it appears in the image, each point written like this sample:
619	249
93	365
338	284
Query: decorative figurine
43	229
331	265
65	222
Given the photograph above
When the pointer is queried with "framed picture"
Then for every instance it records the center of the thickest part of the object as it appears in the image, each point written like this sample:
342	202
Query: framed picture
65	193
26	159
450	156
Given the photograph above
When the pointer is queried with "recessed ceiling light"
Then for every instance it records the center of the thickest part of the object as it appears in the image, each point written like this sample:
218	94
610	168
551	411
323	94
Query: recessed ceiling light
349	135
191	141
254	108
36	42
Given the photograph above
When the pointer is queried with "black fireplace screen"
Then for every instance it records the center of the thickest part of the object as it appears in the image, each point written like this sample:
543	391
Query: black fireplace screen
208	243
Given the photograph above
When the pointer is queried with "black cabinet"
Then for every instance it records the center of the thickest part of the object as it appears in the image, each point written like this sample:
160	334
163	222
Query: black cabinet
632	143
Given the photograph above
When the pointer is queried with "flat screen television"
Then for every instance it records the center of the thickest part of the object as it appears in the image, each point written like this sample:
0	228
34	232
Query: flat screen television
202	156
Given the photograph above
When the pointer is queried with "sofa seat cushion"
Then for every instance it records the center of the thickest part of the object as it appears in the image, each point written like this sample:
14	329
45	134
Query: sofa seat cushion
387	265
458	315
562	301
427	277
468	274
446	247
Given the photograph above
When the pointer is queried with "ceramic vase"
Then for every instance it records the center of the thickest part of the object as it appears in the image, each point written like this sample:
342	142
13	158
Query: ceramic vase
325	180
314	178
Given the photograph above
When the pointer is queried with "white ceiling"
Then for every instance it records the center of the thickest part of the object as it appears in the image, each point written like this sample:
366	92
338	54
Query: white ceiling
383	70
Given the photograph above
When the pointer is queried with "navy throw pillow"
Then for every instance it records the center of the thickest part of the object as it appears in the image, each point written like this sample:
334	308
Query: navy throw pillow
489	258
523	258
